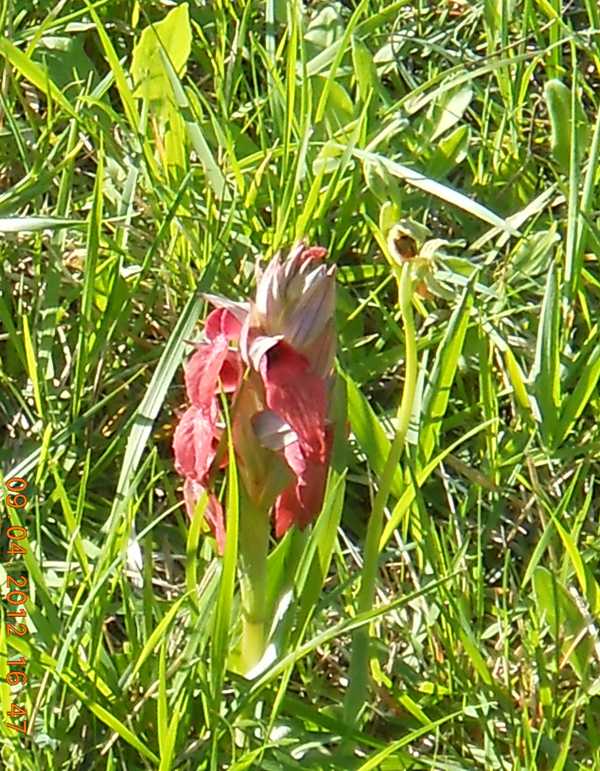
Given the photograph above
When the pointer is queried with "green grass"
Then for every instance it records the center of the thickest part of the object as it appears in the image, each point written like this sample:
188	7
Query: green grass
120	202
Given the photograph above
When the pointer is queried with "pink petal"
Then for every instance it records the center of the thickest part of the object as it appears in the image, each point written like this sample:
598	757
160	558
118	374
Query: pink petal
202	371
194	441
222	321
212	363
297	395
302	500
192	491
231	372
315	253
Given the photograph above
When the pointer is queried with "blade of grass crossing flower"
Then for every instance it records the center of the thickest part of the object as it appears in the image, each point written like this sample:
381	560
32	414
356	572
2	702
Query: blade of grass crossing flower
310	576
312	568
191	548
220	643
437	390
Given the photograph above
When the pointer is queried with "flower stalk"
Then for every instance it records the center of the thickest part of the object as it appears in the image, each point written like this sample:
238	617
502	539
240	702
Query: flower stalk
253	552
359	663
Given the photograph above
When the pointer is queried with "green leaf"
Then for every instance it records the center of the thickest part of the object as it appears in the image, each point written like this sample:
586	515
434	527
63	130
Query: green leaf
558	102
534	254
517	380
65	59
369	434
566	622
35	74
194	131
432	187
409	493
221	636
575	403
33	224
437	390
545	374
451	150
365	71
172	36
449	109
324	29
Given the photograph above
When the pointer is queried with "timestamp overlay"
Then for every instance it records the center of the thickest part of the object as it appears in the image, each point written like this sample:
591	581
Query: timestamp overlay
15	595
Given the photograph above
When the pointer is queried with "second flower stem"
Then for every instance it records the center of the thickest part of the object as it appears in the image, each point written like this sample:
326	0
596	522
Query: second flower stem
359	663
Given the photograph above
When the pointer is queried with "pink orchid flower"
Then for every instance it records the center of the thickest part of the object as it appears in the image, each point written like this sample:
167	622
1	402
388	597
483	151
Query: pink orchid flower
273	358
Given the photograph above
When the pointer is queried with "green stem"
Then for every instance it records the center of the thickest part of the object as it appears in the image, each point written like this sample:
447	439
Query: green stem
254	547
357	689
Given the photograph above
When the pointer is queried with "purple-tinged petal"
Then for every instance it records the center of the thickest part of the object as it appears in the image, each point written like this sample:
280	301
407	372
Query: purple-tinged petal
259	346
271	431
239	309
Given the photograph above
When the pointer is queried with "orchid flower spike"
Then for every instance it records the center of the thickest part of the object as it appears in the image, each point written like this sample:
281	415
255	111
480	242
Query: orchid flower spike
273	359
